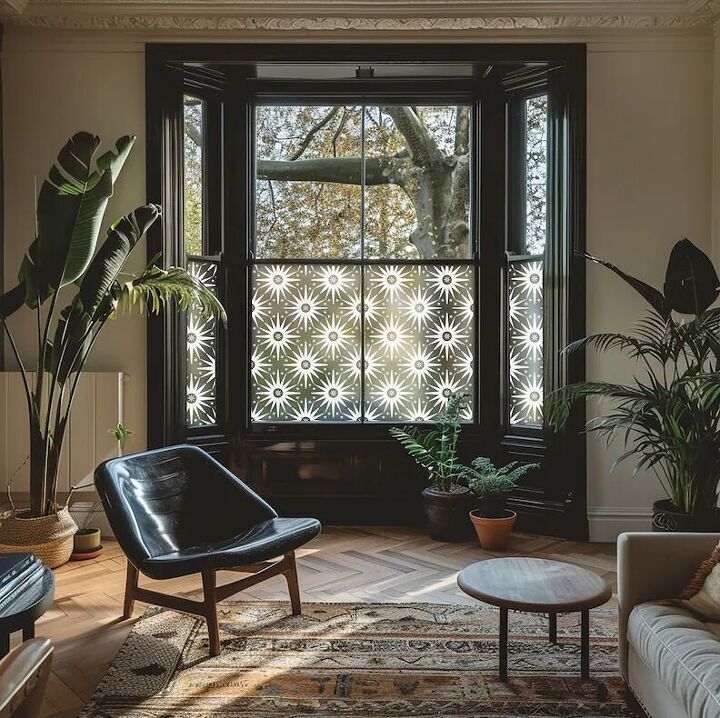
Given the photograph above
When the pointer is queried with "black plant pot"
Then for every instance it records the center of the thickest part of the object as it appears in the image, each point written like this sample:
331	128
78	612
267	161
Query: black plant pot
446	514
666	517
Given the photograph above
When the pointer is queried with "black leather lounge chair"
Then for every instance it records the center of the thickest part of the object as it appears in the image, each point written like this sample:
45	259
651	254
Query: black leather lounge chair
177	511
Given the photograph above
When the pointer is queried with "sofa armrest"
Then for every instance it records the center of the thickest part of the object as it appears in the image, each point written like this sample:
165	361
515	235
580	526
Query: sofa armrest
654	566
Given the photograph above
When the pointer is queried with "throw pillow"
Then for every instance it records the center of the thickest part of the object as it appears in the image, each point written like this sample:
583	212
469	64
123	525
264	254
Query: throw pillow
702	594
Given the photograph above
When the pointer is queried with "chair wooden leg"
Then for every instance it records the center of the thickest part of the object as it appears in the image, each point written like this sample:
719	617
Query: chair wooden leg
131	584
291	577
210	605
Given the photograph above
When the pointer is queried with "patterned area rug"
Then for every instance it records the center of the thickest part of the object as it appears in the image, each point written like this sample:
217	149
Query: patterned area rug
360	661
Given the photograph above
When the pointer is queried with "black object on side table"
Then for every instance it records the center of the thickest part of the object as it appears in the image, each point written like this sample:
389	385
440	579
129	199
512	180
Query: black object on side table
19	611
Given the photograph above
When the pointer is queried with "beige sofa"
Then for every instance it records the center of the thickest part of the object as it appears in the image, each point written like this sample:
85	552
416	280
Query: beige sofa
669	658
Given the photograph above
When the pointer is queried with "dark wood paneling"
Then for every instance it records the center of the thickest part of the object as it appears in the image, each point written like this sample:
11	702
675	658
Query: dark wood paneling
339	481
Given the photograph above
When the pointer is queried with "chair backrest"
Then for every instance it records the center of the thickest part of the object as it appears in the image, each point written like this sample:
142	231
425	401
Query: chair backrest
24	674
162	501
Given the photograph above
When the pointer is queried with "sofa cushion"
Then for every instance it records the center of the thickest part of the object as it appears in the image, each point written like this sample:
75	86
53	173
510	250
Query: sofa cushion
682	650
702	594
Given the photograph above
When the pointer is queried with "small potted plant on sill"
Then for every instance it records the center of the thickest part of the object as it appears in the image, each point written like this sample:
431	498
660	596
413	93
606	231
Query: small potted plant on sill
446	498
87	541
492	520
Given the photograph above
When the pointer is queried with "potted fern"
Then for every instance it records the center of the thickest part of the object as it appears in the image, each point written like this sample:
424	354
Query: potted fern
446	498
668	416
492	520
75	285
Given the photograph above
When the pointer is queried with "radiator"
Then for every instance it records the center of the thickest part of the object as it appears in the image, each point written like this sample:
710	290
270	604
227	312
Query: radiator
98	406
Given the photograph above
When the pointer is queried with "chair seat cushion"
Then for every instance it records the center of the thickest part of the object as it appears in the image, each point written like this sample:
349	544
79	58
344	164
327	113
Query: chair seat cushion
682	650
267	539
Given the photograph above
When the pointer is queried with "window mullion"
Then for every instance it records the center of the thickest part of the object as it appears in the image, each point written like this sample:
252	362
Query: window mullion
363	177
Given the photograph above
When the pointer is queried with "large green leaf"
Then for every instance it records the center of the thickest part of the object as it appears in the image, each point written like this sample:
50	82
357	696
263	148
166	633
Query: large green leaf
92	208
691	283
651	295
12	300
94	302
110	258
70	210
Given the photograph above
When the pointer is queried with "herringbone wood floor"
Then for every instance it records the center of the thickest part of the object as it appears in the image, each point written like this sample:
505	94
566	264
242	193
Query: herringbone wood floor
344	564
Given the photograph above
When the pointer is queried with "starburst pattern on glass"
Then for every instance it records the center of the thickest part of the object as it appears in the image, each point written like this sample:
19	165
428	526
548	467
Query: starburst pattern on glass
305	343
201	343
525	342
308	363
423	339
536	160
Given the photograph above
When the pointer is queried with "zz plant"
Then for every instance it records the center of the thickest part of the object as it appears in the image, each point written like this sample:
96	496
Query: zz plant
436	448
75	287
668	416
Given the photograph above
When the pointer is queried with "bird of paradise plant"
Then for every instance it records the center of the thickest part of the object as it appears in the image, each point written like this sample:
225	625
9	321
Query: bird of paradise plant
64	264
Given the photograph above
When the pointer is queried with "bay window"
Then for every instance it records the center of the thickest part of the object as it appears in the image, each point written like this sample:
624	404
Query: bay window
382	239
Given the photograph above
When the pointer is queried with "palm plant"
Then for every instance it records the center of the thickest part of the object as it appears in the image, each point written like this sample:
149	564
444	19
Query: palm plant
62	264
436	448
669	415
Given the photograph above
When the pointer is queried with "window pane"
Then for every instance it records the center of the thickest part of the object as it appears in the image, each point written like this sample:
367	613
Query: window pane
193	109
419	339
536	158
525	342
308	173
417	196
202	353
305	343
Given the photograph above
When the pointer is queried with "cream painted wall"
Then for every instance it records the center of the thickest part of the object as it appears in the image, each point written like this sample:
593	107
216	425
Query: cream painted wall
649	184
649	177
48	95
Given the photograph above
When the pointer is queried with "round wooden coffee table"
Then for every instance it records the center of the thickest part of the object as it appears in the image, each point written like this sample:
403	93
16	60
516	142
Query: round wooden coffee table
536	585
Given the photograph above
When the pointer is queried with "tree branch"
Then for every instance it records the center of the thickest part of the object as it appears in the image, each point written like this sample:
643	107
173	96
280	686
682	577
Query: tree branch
462	131
312	132
193	132
341	170
422	146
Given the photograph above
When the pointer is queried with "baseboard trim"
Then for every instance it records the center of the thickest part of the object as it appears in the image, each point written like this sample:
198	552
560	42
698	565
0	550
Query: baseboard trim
606	523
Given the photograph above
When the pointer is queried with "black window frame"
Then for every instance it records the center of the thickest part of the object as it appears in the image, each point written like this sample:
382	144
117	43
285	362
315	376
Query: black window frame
223	75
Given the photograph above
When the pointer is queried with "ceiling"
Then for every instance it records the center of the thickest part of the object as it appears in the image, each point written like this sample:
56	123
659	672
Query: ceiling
363	15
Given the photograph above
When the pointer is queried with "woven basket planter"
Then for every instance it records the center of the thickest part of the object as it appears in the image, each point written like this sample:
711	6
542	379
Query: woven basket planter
50	538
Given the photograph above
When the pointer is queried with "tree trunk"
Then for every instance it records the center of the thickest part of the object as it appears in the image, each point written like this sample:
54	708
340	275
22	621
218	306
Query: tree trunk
440	193
437	185
441	199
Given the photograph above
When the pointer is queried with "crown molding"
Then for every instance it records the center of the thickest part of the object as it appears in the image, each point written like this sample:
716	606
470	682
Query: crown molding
424	16
12	7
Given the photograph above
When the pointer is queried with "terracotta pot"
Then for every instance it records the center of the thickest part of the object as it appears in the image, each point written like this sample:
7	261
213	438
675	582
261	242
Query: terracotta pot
87	540
445	514
50	538
493	533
